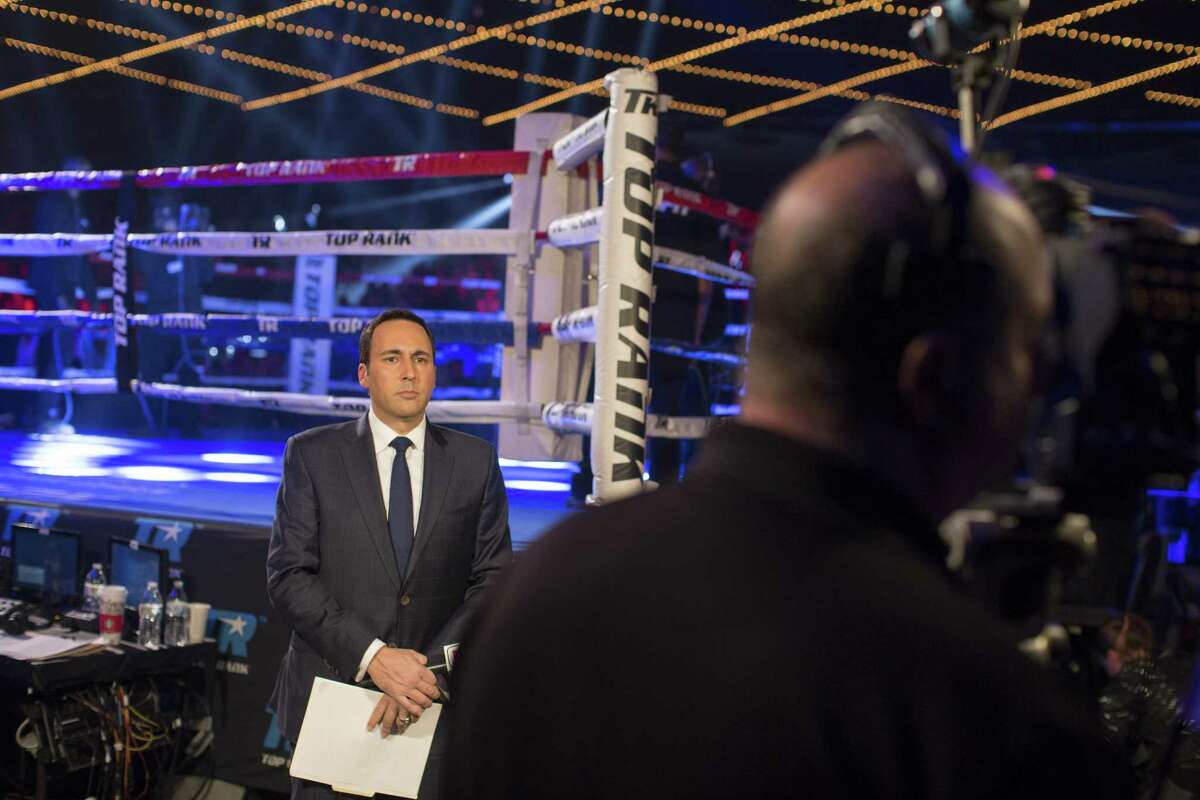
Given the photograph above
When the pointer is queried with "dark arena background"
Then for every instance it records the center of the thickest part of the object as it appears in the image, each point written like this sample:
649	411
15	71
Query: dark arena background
155	354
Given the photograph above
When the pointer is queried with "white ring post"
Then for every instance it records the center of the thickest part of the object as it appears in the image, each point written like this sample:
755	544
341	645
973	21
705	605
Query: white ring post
625	263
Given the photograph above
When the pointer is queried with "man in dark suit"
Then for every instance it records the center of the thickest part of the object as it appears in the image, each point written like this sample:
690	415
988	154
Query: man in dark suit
388	529
780	623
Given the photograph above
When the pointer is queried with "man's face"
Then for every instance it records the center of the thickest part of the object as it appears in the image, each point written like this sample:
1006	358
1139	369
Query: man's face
399	375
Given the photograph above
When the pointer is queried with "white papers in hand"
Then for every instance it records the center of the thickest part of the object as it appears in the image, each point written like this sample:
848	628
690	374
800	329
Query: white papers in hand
336	748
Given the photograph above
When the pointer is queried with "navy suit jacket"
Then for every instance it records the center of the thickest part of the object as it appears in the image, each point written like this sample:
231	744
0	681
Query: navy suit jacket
331	573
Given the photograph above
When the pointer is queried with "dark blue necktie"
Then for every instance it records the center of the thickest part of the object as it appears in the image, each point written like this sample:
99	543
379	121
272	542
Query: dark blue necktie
400	506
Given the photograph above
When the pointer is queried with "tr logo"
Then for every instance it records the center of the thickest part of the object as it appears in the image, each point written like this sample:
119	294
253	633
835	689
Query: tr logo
642	101
233	629
274	739
28	515
166	534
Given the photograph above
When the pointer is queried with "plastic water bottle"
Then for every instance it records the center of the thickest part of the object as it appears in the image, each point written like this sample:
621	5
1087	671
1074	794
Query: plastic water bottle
150	613
176	633
92	585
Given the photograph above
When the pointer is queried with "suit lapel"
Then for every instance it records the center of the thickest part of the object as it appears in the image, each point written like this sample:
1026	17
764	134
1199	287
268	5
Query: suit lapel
439	467
358	455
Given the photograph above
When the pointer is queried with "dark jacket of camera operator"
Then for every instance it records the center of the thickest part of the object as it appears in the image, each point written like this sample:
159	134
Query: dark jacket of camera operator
780	623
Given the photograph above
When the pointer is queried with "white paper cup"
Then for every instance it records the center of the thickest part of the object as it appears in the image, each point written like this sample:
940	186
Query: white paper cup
197	621
112	613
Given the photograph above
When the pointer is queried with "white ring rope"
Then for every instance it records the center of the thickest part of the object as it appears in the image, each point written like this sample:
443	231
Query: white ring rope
577	326
561	417
293	243
576	230
481	412
661	427
583	229
73	385
54	244
36	321
344	242
582	143
577	418
19	321
700	267
568	417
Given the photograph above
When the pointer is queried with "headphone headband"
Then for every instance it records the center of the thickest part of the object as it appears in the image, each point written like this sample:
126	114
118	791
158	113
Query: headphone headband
940	174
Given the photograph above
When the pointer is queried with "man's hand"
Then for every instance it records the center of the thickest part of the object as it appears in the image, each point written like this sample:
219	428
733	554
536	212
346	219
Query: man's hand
389	716
401	674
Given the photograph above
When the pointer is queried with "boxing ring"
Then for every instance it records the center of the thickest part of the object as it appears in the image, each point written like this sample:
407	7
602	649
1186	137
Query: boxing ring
578	298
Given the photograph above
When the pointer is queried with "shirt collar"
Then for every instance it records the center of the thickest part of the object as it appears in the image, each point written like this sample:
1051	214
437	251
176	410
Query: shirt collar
382	435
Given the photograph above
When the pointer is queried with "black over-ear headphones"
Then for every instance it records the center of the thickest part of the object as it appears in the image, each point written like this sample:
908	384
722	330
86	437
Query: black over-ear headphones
927	271
942	177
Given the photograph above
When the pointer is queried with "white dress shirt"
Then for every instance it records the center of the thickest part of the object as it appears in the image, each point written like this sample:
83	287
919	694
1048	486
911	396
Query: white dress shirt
385	456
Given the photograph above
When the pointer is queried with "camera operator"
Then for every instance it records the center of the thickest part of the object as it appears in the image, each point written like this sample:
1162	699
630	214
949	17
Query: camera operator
780	623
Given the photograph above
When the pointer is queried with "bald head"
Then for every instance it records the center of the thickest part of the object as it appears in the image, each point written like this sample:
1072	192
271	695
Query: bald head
847	279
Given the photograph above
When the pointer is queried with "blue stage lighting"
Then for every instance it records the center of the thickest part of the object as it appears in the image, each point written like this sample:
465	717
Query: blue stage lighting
537	486
240	477
157	474
236	458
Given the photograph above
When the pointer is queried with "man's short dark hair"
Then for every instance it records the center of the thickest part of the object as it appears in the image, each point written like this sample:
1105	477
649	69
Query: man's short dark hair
364	339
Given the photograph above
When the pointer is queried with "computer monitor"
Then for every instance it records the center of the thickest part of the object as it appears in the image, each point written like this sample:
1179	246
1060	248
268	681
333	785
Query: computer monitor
45	565
134	565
